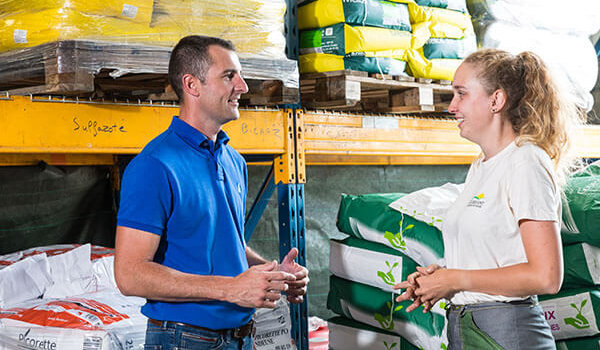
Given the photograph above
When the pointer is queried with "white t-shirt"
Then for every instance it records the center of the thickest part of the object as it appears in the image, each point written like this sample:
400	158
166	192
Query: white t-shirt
481	228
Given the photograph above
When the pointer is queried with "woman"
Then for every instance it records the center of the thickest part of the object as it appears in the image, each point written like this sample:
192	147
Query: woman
502	235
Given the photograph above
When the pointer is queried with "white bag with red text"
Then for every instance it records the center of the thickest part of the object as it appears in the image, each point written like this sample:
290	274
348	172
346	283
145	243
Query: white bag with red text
105	320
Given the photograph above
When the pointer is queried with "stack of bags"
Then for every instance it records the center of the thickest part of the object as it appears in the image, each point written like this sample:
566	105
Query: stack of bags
558	31
574	313
391	234
443	37
371	36
256	27
380	36
42	21
384	247
65	297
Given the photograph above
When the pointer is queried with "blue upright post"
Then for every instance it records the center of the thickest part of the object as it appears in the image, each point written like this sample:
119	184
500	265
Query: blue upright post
286	194
301	230
260	203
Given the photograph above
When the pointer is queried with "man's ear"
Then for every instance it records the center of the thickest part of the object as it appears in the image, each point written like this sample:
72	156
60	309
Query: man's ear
497	101
190	85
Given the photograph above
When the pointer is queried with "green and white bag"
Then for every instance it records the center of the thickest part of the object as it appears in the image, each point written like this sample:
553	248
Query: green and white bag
572	313
372	306
581	207
369	263
369	217
345	334
374	13
590	343
582	266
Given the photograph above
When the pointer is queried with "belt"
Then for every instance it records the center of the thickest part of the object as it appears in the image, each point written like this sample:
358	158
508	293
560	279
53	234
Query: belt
531	301
236	333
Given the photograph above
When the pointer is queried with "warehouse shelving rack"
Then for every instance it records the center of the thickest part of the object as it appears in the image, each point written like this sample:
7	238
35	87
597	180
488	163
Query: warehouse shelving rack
76	131
82	131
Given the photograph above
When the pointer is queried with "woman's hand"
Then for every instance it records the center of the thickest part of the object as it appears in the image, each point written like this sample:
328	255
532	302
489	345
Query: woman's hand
435	286
411	285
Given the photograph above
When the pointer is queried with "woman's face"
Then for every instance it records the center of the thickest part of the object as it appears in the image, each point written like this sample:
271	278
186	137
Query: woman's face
471	104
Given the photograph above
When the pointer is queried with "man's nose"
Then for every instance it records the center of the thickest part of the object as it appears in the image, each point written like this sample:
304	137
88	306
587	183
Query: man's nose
240	85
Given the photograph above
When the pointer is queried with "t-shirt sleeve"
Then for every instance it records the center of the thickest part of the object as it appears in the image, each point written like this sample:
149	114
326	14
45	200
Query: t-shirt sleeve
532	190
145	196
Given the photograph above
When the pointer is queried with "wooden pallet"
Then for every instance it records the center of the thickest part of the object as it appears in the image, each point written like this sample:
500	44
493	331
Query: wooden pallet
357	91
102	69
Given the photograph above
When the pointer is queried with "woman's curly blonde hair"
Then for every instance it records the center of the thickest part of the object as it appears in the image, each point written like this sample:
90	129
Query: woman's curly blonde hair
538	112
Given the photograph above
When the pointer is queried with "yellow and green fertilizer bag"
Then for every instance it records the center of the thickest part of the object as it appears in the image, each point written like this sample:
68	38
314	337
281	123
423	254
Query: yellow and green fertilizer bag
341	39
392	62
375	13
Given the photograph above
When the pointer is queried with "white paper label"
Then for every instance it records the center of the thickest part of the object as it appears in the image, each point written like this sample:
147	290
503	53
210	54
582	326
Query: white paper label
20	36
570	317
129	11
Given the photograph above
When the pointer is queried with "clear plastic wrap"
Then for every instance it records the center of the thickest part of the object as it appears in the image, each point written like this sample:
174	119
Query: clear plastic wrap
77	37
578	17
557	31
571	58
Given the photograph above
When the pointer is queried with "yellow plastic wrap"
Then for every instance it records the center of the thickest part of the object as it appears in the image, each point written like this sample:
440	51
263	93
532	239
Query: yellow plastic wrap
139	11
255	27
32	29
440	68
94	36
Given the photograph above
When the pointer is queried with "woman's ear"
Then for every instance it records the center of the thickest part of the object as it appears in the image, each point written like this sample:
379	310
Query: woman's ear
497	101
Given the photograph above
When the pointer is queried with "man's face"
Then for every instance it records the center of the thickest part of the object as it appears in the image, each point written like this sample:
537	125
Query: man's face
223	86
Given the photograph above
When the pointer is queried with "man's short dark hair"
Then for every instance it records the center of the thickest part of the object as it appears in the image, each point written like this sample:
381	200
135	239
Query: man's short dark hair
190	56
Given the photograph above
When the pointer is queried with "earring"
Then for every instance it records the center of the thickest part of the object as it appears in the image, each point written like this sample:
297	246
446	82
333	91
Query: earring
493	110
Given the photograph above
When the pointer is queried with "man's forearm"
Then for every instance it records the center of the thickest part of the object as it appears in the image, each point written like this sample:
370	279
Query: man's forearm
254	258
157	282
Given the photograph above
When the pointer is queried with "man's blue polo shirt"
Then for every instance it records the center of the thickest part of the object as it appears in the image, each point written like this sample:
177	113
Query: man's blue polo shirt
192	192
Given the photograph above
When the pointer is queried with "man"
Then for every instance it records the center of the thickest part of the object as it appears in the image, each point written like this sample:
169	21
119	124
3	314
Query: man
180	240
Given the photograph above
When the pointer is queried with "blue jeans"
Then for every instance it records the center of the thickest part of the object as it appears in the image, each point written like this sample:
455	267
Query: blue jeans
518	325
174	336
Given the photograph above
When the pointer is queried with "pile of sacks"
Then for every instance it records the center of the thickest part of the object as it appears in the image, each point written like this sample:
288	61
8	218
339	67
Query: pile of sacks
256	27
384	247
424	38
574	313
557	31
390	234
65	297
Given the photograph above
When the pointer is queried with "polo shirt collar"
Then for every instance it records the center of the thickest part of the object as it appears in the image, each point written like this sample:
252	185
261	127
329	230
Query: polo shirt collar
195	138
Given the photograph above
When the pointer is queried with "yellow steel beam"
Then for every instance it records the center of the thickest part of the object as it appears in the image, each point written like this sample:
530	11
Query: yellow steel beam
343	138
68	126
56	159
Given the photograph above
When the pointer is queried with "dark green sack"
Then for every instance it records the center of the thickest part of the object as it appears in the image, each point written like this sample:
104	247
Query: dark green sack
372	306
369	217
581	208
346	334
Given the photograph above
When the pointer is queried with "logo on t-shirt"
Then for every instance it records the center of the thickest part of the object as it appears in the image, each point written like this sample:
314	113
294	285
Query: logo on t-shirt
477	201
